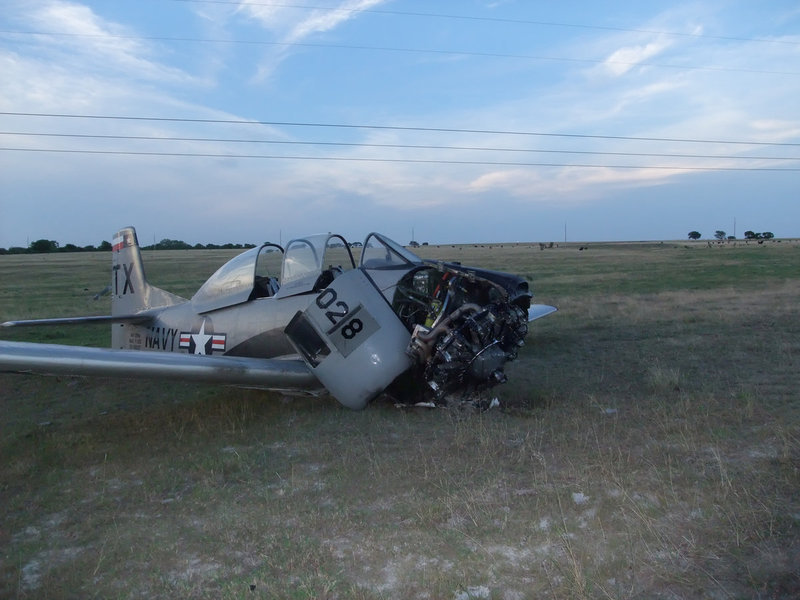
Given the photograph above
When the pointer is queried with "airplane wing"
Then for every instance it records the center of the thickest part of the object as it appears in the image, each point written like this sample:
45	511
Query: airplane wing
137	318
54	359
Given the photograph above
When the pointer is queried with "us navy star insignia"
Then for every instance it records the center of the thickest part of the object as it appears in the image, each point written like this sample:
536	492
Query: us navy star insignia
202	342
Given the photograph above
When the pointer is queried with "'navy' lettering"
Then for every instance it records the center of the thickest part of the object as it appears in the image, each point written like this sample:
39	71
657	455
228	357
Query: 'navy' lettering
161	338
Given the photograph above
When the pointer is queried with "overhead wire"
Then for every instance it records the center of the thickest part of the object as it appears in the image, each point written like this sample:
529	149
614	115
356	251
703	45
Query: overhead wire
393	160
154	138
438	51
443	161
409	50
395	128
508	20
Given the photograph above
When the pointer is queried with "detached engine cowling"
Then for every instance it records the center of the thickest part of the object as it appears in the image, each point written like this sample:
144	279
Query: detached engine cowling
466	324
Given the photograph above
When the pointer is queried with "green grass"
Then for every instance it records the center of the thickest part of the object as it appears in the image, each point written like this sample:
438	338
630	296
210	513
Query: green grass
626	268
648	446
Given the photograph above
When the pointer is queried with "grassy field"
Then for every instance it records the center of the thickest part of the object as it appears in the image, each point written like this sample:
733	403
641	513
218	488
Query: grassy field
647	446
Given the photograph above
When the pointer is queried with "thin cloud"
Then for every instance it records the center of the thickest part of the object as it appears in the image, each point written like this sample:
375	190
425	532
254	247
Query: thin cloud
624	59
319	21
568	184
66	17
292	25
95	44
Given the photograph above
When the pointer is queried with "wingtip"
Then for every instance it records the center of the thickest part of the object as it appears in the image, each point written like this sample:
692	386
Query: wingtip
537	311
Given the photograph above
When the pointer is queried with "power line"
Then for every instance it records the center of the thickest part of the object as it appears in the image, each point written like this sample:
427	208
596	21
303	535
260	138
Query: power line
396	128
408	50
392	160
495	20
153	138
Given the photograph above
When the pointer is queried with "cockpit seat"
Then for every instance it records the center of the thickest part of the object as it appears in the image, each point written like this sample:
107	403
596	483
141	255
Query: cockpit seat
326	277
264	287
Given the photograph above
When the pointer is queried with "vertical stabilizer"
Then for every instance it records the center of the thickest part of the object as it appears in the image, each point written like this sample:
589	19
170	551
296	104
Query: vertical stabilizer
127	274
131	292
129	288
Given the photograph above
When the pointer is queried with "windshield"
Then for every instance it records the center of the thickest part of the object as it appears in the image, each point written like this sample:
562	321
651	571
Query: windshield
382	253
313	262
312	254
302	257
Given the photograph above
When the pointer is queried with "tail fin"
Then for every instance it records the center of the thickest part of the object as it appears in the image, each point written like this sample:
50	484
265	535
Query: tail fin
130	291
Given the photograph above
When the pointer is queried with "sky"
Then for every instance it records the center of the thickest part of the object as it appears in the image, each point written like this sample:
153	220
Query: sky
214	121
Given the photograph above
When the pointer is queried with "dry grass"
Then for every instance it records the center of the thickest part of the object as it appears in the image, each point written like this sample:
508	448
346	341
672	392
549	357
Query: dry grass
648	446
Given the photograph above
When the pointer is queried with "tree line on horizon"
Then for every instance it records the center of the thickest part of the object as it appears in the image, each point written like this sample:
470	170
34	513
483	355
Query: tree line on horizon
721	235
44	246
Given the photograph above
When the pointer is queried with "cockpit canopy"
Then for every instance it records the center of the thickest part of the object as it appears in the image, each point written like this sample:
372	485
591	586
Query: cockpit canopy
241	278
307	264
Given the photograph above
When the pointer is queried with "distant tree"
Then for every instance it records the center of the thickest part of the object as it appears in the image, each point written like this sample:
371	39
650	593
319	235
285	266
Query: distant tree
71	248
754	235
104	245
3	251
44	246
695	235
719	234
90	248
199	247
17	250
167	244
731	237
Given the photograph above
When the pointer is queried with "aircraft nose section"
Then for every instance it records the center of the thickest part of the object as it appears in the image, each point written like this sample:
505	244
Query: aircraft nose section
351	339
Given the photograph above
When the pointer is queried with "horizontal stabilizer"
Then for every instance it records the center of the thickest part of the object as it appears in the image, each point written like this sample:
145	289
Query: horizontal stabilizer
57	359
537	311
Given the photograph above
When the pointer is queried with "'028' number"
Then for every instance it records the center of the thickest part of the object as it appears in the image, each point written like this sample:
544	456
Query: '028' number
327	299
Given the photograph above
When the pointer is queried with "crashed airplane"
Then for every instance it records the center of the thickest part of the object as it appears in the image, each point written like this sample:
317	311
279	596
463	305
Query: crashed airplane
304	318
